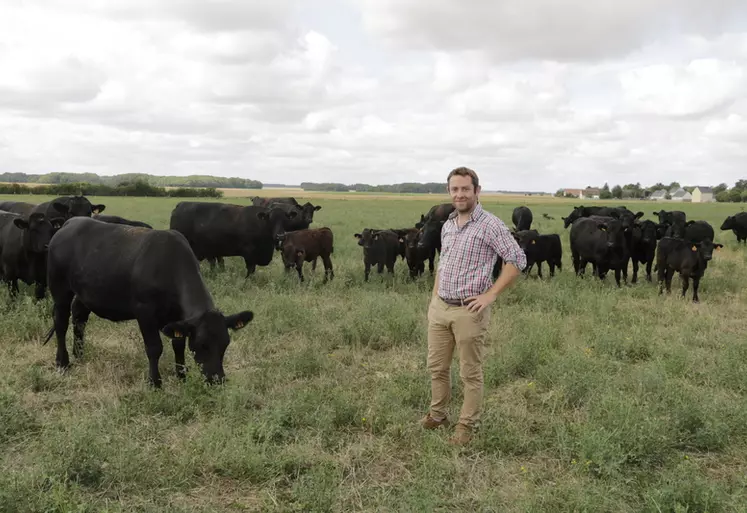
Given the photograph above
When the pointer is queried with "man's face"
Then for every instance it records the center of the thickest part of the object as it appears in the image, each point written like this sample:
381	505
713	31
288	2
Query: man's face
463	193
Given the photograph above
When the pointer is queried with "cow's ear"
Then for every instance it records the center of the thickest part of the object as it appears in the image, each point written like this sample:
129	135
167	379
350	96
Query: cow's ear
317	208
638	215
357	235
603	227
97	209
61	207
718	246
689	223
178	329
264	216
239	320
21	223
57	222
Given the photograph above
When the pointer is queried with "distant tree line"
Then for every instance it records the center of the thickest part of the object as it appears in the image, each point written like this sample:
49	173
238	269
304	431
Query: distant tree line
136	188
721	192
113	181
404	188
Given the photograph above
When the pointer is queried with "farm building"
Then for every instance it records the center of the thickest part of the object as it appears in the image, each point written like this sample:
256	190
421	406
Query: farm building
702	195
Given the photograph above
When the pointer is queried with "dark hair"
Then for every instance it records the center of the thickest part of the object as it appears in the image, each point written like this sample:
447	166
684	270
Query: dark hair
464	171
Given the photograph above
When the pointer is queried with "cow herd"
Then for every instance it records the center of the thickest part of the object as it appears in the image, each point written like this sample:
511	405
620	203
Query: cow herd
121	269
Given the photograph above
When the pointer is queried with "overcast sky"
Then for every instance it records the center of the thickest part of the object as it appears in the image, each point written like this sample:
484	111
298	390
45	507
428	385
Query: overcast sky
533	95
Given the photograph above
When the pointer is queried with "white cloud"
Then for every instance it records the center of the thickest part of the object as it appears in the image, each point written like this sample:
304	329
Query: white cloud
533	95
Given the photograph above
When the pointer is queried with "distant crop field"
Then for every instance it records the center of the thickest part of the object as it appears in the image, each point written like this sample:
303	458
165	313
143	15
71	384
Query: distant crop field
597	398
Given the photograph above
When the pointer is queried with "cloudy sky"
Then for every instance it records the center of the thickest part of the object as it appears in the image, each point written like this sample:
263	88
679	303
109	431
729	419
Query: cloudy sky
533	95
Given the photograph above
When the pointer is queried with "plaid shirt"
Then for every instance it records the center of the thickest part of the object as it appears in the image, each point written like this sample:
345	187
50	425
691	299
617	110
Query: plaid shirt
468	254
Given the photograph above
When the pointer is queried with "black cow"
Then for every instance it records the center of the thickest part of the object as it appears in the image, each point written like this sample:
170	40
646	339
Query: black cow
23	249
307	245
416	256
671	216
17	207
601	242
219	229
643	247
580	212
689	259
305	213
119	220
122	273
540	248
698	231
736	223
431	224
522	218
380	248
68	206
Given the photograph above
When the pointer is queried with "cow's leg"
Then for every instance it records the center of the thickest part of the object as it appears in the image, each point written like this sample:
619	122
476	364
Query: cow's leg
211	262
685	283
431	258
299	270
80	318
380	267
649	263
328	269
696	285
40	289
13	287
390	265
221	263
179	344
635	271
617	276
250	267
539	269
367	269
670	274
575	260
153	348
551	265
61	322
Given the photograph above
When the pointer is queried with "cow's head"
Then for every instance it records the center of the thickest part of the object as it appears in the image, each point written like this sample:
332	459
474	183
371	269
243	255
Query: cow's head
729	223
411	239
526	239
278	220
208	339
646	231
431	234
615	233
706	248
307	212
367	238
576	213
38	231
677	230
77	206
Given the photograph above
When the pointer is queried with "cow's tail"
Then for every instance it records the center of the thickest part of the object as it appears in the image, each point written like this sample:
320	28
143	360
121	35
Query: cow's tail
49	335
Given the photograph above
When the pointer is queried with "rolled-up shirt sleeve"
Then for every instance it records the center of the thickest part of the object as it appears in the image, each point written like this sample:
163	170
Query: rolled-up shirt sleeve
506	246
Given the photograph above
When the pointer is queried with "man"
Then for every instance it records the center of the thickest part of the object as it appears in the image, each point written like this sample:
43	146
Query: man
459	312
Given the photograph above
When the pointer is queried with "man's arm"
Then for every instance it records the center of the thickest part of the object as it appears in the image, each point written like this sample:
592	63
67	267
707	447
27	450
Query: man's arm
435	286
514	261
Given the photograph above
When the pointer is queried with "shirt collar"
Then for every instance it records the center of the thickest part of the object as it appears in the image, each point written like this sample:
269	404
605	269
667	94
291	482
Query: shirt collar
476	214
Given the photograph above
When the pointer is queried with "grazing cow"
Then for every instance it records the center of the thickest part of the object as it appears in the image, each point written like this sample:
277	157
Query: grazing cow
601	242
671	216
219	229
122	273
431	224
68	206
736	223
643	247
689	259
119	220
522	218
23	249
307	245
540	248
380	248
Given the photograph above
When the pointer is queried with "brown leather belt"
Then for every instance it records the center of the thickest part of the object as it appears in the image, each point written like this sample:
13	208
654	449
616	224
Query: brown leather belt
454	302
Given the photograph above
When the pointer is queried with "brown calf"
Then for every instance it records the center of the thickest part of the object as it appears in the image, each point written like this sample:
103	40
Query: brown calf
306	246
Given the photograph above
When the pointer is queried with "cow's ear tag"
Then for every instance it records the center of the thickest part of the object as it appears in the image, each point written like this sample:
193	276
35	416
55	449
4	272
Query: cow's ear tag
695	248
603	229
534	242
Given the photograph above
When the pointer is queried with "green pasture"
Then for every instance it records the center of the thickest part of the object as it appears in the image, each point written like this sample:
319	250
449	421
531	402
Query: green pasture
597	399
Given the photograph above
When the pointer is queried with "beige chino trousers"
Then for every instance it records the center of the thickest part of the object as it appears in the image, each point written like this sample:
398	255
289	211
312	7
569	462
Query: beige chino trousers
450	327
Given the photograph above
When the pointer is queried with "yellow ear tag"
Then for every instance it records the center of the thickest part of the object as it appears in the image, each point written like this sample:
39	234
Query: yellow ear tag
603	229
695	248
177	334
534	242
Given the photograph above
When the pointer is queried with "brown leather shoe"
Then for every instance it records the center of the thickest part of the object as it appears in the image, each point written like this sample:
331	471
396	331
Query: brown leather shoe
462	435
429	422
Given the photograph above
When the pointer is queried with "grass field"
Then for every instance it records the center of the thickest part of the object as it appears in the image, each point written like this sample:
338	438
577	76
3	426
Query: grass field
597	398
